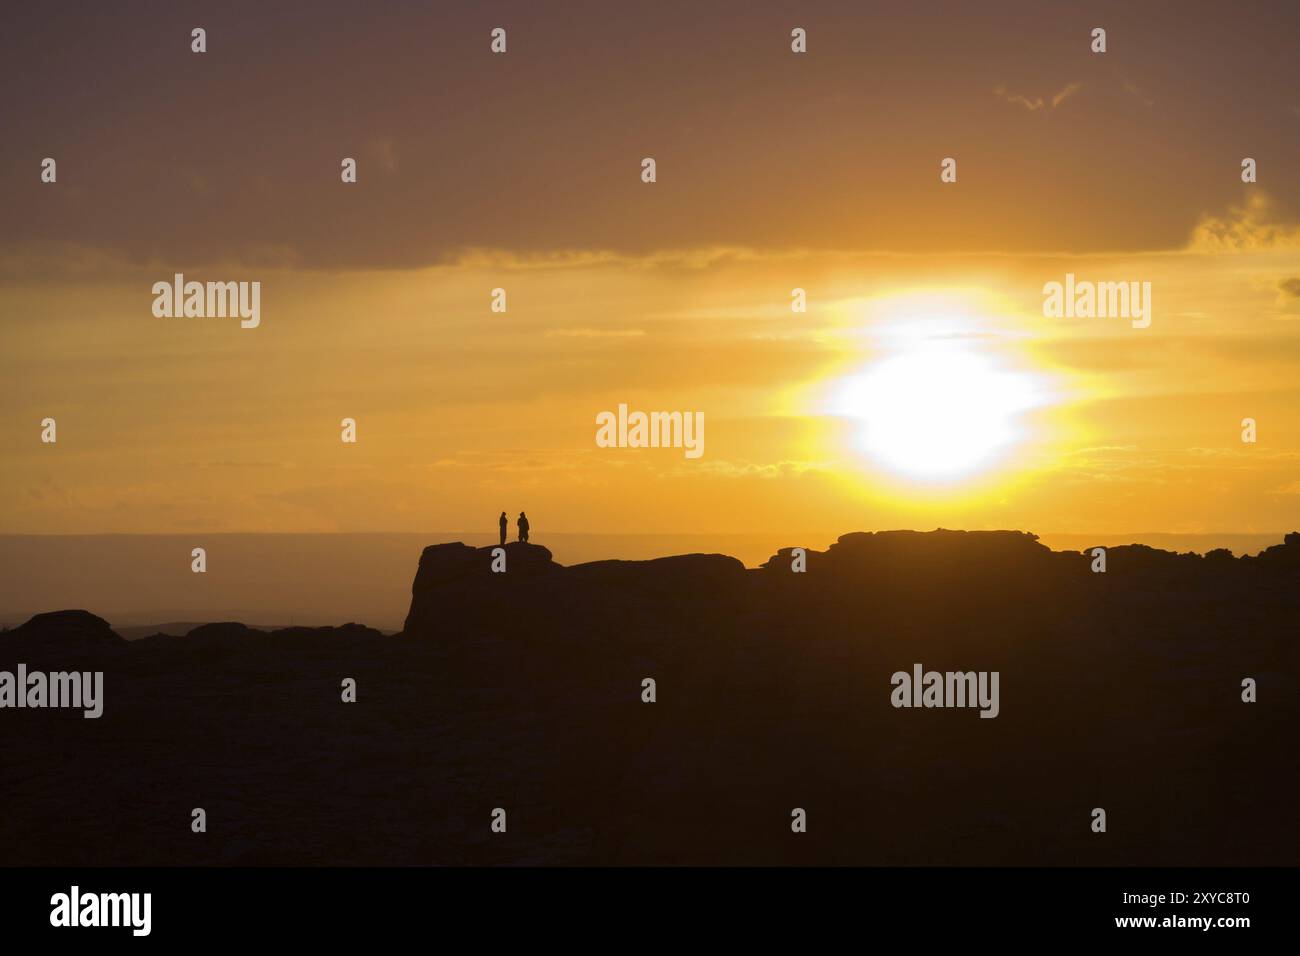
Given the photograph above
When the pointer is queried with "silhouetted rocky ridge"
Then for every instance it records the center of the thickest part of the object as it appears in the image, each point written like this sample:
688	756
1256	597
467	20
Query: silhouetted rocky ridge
524	690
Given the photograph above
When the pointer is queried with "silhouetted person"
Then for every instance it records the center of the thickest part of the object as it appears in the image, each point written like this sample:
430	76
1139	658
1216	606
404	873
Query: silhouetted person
503	523
523	527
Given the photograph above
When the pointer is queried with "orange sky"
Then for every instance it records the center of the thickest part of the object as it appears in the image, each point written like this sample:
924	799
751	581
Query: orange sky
521	171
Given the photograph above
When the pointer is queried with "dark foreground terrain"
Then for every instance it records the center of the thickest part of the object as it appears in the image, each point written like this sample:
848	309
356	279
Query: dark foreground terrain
523	691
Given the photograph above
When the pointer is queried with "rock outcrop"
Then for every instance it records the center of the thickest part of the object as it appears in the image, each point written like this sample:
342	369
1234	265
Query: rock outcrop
530	690
58	633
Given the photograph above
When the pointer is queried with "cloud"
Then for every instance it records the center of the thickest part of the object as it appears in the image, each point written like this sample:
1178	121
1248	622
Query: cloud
1132	90
1253	227
746	469
680	258
1038	103
53	259
1290	287
1065	94
594	333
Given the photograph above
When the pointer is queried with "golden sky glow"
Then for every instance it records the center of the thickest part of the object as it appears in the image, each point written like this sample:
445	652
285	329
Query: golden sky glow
195	424
821	174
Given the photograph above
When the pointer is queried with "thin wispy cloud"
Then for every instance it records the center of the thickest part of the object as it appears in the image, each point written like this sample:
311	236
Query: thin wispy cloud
1037	103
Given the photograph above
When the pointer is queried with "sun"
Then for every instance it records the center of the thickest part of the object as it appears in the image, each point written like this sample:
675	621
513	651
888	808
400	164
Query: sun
939	412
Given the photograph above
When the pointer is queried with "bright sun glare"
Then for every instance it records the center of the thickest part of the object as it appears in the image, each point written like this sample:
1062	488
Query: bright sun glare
938	412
